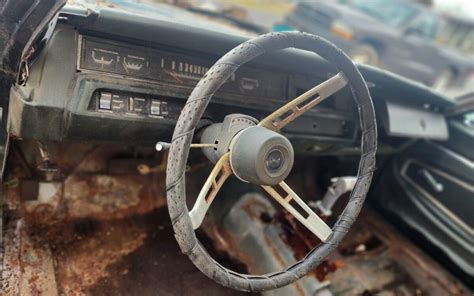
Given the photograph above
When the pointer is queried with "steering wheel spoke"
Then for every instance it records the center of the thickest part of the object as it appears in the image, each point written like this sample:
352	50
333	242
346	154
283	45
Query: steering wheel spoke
293	109
213	184
298	208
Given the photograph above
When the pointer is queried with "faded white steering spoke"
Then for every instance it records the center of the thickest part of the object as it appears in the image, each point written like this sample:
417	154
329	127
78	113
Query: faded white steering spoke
287	113
298	208
213	184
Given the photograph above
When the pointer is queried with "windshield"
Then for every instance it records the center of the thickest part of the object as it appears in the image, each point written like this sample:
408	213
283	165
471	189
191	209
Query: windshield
391	12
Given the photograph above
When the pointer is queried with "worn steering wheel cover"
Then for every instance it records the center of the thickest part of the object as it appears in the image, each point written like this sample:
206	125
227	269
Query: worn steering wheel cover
183	134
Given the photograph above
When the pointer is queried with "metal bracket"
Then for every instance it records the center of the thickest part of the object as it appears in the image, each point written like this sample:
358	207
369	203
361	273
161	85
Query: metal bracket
339	186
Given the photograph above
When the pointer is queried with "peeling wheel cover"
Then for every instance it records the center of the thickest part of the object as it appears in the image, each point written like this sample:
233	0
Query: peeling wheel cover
183	134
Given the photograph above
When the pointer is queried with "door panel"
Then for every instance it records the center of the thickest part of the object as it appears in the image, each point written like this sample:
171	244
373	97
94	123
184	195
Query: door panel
449	194
430	188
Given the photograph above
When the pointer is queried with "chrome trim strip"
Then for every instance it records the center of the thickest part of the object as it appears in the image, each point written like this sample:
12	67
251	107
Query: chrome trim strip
455	155
431	198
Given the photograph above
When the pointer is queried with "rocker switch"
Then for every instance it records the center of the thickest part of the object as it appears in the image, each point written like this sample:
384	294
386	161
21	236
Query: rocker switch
105	101
155	107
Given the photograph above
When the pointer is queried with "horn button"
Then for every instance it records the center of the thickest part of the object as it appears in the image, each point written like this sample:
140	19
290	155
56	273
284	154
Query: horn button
274	161
261	156
257	155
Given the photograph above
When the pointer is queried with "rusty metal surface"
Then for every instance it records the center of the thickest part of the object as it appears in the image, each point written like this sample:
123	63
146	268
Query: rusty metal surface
136	255
83	186
250	226
97	228
376	259
101	228
28	267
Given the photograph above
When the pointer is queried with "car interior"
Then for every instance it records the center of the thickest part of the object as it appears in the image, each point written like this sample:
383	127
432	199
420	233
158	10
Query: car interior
123	134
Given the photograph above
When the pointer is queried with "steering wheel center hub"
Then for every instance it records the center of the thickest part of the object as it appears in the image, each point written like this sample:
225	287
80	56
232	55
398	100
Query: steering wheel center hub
261	156
274	160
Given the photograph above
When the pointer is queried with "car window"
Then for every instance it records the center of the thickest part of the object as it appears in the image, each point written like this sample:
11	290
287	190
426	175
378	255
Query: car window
458	35
468	119
468	44
426	25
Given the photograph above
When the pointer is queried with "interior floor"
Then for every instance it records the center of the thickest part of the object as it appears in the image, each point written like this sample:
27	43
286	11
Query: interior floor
99	226
136	255
139	256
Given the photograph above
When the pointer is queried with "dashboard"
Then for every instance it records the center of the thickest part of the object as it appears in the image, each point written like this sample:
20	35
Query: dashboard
174	69
92	83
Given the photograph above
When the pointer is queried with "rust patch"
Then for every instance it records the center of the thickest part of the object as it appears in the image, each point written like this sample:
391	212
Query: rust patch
101	197
302	241
276	254
218	242
255	209
27	266
372	259
38	277
11	269
83	187
112	197
136	255
83	249
326	267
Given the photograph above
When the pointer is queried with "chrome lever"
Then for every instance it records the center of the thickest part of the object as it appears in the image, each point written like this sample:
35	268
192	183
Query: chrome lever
162	146
437	186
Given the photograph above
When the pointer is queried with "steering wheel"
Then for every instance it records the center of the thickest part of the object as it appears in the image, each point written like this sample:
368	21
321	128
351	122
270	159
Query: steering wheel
268	161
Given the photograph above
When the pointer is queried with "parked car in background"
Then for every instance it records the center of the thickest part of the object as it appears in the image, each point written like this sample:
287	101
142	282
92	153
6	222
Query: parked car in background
458	36
398	35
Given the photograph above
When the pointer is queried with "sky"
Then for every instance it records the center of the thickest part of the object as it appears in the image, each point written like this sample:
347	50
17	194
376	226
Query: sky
461	7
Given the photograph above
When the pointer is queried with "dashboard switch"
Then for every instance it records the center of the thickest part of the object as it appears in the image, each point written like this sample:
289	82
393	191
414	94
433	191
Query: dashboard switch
164	108
119	103
139	105
155	107
105	101
124	104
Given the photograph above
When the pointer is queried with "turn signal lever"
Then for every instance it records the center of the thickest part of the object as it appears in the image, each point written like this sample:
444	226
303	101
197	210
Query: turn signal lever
162	146
144	169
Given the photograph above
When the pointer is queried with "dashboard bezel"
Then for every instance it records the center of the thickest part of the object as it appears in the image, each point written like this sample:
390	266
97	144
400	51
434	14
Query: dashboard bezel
279	80
319	117
54	104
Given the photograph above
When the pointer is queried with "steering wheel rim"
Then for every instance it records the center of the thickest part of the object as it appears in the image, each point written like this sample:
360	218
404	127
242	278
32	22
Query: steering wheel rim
183	134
